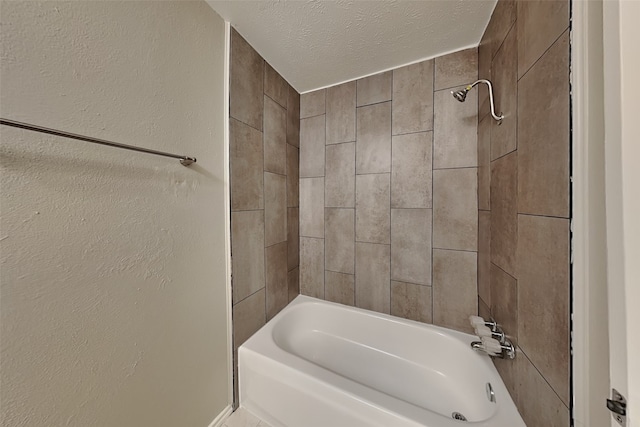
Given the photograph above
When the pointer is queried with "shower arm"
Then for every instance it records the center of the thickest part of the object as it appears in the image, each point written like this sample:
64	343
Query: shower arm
493	108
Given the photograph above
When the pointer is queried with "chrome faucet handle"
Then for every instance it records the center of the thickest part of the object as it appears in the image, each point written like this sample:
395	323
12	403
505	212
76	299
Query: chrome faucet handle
477	321
485	331
503	350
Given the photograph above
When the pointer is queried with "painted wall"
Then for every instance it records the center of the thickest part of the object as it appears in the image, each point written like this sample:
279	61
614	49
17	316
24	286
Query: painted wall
113	279
523	193
264	138
388	200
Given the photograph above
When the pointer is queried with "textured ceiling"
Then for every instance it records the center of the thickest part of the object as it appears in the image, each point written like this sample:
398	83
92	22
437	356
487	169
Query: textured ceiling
314	44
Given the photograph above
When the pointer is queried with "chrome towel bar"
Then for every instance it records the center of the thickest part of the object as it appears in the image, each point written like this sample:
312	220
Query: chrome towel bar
184	160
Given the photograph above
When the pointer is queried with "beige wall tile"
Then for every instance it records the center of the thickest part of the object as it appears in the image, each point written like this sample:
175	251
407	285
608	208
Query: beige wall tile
543	134
247	245
484	72
275	87
543	297
293	118
373	285
484	163
504	72
373	219
248	316
455	209
456	69
247	68
312	267
275	137
293	176
246	166
341	113
293	283
374	89
276	278
312	207
275	208
504	212
483	309
411	170
340	180
537	402
312	103
312	147
509	370
455	132
413	98
339	240
411	301
504	301
373	147
484	256
454	280
502	19
540	23
411	245
339	287
293	237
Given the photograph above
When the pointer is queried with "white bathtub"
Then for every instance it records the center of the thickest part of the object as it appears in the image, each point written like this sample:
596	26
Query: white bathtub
320	364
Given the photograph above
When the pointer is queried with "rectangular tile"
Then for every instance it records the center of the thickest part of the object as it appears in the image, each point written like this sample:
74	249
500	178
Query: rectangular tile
411	245
455	209
339	287
504	212
293	283
341	113
483	309
312	103
293	176
293	237
411	170
247	246
455	290
276	278
540	23
413	98
312	147
248	316
293	118
543	297
373	219
484	72
275	137
373	146
312	267
246	166
455	131
374	89
275	87
502	19
340	180
275	208
484	256
339	240
247	68
373	285
543	134
456	69
312	207
504	301
504	71
484	163
411	301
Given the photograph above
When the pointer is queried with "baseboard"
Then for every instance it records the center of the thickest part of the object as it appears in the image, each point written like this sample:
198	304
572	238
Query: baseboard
222	416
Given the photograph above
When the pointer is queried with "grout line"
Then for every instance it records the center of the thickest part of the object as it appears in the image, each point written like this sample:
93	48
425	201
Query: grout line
456	250
462	167
543	54
413	132
503	270
543	216
504	155
542	376
247	124
433	125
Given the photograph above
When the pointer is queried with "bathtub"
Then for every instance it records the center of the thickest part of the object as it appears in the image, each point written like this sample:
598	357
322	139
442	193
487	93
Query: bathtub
320	364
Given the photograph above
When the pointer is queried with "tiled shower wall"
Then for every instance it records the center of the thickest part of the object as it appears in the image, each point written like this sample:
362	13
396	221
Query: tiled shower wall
388	192
523	194
263	142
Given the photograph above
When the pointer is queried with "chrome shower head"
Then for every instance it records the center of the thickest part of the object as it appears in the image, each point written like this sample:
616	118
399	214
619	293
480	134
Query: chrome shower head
460	95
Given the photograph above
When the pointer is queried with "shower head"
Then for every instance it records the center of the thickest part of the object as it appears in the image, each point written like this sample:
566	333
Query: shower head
461	95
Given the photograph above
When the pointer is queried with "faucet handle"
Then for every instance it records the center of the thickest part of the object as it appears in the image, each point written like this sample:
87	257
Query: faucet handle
483	331
476	321
491	345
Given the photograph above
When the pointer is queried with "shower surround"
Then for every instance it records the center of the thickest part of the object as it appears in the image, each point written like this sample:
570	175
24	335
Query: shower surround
388	192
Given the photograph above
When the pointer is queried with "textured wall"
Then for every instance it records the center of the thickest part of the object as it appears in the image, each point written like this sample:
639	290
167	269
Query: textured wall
113	263
388	195
523	193
264	156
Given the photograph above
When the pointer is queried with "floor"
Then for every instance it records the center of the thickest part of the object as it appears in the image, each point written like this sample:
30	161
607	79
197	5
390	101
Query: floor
243	418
